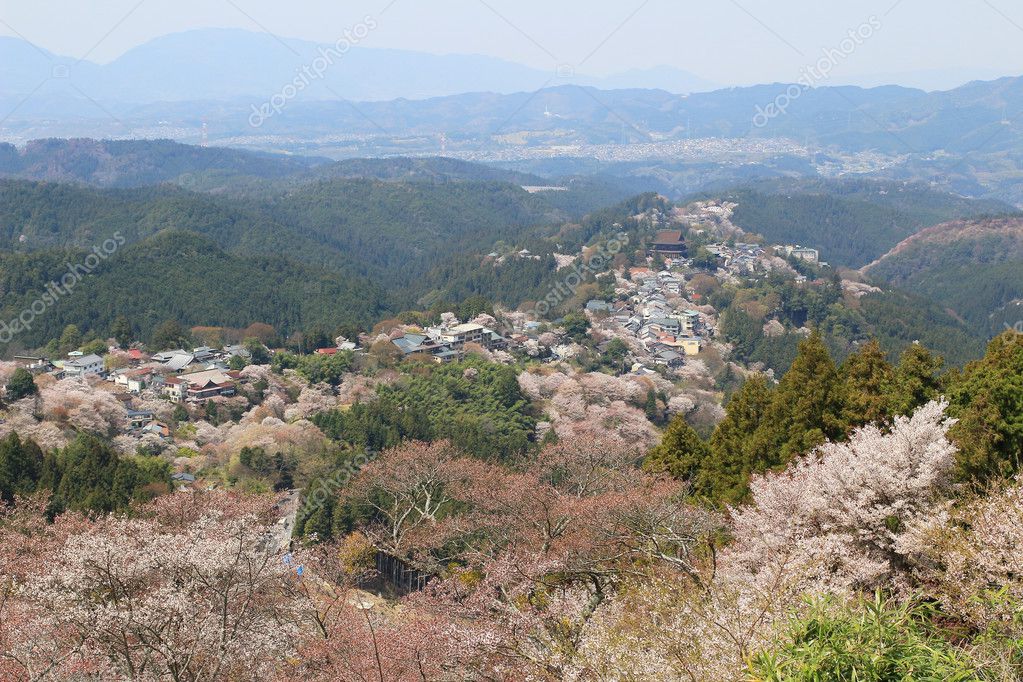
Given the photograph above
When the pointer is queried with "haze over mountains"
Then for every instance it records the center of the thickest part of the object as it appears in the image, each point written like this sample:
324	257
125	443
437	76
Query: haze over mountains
224	64
169	86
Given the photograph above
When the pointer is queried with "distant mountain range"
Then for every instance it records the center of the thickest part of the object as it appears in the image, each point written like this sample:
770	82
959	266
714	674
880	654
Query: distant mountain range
228	64
378	102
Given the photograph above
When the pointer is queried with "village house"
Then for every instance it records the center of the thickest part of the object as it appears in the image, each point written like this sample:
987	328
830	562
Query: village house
136	419
668	358
802	253
236	350
459	335
421	345
135	380
35	365
83	365
690	320
157	429
200	386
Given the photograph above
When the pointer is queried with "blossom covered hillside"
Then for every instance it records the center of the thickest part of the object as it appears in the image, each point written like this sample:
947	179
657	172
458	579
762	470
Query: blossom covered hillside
569	565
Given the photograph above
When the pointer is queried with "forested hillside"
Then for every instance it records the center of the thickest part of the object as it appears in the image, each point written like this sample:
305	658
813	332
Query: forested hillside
185	278
136	163
972	267
255	176
852	223
400	230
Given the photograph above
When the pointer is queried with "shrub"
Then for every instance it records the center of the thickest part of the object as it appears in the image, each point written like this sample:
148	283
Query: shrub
870	640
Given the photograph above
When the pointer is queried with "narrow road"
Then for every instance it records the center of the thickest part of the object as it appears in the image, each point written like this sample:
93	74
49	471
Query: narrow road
278	540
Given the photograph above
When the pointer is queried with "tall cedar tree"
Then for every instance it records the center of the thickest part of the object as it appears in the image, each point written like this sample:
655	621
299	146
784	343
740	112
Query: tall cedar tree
727	476
681	453
21	465
868	381
806	409
988	401
918	379
122	332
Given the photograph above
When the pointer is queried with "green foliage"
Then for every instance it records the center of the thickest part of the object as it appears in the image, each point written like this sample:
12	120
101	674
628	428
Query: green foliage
725	476
21	464
377	220
475	404
21	385
87	475
681	452
869	383
792	305
972	268
258	354
742	331
852	222
473	307
895	319
316	368
70	338
764	427
899	320
327	369
576	325
322	514
169	335
874	640
806	409
514	280
705	260
987	398
917	380
90	476
180	413
122	332
96	347
188	279
280	470
615	356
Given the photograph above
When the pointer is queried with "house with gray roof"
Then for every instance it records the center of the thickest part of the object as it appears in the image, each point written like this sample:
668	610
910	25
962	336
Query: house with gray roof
84	365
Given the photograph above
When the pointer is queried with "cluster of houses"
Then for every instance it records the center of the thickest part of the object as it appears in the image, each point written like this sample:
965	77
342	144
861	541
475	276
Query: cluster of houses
666	333
447	344
181	375
77	364
740	259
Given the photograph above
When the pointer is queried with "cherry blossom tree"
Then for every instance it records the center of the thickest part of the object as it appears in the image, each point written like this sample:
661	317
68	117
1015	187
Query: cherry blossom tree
972	556
410	490
543	545
840	512
82	405
312	400
184	592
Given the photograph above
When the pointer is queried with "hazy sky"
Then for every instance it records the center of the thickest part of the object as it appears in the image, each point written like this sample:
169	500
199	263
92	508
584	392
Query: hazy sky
726	41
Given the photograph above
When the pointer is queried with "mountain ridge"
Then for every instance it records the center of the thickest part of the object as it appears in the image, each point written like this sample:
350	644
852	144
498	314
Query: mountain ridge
973	267
254	64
